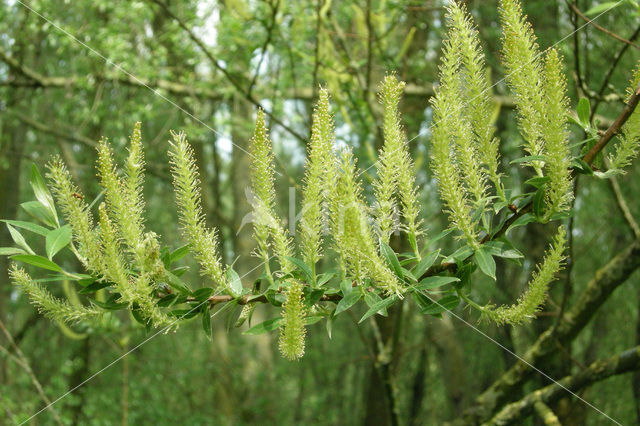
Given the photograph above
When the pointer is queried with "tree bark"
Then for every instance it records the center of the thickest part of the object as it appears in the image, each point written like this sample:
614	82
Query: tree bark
606	280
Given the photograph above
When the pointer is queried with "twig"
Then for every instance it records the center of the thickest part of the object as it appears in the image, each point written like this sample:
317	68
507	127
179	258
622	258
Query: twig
628	109
547	416
612	68
216	63
600	370
604	30
623	206
27	368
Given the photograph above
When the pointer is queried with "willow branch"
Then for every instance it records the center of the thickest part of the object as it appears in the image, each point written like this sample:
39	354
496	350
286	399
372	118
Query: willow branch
598	290
600	370
613	130
624	207
216	63
602	29
24	363
545	413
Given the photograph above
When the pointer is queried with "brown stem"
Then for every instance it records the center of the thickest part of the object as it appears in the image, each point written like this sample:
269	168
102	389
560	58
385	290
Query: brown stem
600	28
628	109
600	370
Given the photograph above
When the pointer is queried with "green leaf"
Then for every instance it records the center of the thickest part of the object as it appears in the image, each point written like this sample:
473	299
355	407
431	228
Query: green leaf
584	111
435	282
459	255
202	294
40	230
39	212
43	195
308	276
380	306
206	322
447	303
329	325
528	159
57	239
313	319
521	221
324	278
39	261
538	181
539	202
95	286
581	166
235	283
426	262
263	327
167	300
503	249
10	251
485	261
346	286
602	7
391	258
312	296
183	314
111	304
423	301
19	239
176	283
348	301
179	253
438	237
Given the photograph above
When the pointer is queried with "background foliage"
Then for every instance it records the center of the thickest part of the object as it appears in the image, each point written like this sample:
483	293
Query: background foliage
204	67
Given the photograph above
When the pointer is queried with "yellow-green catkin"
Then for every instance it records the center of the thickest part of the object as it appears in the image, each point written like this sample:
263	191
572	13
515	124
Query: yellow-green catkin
396	174
48	305
629	146
292	330
353	237
556	137
266	221
533	298
317	174
133	289
477	92
186	184
76	213
451	132
524	70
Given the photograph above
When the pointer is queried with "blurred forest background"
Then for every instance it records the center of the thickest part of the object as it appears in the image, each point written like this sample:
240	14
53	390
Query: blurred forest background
204	67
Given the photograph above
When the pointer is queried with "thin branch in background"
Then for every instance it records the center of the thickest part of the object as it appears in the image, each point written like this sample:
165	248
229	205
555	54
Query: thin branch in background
545	413
600	370
610	71
316	56
265	45
24	363
216	63
602	29
624	207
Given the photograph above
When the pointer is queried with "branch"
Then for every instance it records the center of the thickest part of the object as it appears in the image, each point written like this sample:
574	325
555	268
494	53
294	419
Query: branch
604	30
214	61
35	79
24	363
598	290
624	207
547	416
248	299
600	370
613	130
612	68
